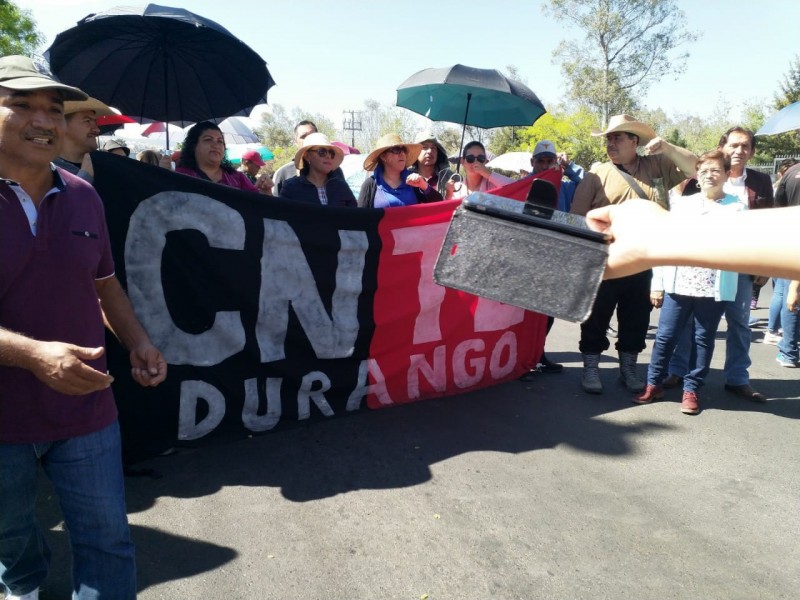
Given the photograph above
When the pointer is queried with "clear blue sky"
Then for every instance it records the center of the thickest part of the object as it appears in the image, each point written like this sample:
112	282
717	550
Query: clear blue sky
329	56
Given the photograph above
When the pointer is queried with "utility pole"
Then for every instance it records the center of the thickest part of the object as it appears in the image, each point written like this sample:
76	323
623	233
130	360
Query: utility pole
352	125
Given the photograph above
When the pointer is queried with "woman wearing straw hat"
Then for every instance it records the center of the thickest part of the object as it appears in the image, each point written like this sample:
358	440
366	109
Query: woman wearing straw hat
392	184
316	160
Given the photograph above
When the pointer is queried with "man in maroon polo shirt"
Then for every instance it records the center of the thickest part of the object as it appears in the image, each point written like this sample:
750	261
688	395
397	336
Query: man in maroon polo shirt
57	286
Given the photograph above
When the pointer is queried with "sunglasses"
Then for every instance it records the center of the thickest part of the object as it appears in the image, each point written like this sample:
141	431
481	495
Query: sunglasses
397	150
323	152
471	158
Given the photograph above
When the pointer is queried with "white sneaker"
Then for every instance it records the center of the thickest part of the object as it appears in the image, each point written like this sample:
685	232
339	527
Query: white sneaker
771	338
34	595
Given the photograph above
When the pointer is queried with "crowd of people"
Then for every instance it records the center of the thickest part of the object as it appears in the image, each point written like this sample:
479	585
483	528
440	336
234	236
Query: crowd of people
56	406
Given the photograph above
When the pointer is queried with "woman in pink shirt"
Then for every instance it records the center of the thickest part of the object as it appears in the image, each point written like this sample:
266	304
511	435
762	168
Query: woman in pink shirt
203	156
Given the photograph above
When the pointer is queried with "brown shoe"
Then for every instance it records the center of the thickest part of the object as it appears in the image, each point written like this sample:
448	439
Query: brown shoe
672	381
690	405
650	393
746	392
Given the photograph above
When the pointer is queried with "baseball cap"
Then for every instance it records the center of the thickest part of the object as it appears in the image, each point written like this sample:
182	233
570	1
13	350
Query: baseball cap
254	157
545	147
24	74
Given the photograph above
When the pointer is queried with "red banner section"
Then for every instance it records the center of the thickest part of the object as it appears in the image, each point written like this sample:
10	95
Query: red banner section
432	341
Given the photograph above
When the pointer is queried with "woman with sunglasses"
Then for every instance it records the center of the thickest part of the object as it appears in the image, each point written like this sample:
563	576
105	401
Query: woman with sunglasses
391	183
316	160
478	177
203	156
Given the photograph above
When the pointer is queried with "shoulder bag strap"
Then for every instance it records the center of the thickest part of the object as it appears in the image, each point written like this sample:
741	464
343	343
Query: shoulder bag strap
632	183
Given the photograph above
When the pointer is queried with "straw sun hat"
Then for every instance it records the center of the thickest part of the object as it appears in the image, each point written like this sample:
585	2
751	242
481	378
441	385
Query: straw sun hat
389	141
627	124
317	140
100	109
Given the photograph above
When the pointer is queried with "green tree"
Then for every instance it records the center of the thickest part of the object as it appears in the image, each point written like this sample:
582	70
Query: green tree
790	86
378	120
449	137
276	129
569	131
784	144
628	45
18	33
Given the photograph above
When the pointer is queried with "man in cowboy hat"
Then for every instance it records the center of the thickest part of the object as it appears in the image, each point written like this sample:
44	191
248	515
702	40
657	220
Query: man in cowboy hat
81	136
432	164
57	287
627	175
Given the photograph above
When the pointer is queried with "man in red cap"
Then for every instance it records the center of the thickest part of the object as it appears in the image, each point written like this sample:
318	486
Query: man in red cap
251	163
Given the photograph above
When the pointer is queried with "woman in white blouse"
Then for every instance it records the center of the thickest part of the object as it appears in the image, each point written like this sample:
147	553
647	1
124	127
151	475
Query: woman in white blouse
696	293
478	177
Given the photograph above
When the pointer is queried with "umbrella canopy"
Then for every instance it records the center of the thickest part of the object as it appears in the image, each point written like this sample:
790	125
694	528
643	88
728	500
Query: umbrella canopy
480	97
110	123
512	161
346	148
786	119
236	130
162	64
160	131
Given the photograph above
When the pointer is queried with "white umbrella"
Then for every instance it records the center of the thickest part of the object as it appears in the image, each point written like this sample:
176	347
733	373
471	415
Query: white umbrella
512	161
237	130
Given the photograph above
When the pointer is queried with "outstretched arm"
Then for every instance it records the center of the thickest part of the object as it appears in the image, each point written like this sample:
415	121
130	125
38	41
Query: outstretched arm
761	242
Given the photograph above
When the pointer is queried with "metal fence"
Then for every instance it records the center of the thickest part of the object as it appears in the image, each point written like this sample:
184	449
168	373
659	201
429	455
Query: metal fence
772	168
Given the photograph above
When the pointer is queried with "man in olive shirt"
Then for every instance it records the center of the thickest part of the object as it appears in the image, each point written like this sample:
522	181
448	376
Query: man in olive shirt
627	175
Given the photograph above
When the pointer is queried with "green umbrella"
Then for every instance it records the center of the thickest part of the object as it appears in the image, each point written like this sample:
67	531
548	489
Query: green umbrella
234	152
479	97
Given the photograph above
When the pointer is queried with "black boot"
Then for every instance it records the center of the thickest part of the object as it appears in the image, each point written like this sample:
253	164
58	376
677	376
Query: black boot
548	366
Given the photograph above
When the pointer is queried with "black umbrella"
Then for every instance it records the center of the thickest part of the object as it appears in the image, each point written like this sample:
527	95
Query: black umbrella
161	64
460	94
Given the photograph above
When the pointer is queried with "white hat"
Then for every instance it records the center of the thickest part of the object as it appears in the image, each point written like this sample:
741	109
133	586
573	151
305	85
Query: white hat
545	147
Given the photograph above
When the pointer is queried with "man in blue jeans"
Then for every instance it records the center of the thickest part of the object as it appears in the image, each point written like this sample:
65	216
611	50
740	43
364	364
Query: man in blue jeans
57	286
754	190
788	194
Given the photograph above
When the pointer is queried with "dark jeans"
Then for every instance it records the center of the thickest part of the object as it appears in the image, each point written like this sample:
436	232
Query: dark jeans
630	296
676	312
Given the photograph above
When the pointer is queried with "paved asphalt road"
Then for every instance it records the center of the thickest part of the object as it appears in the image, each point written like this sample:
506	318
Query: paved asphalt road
525	490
